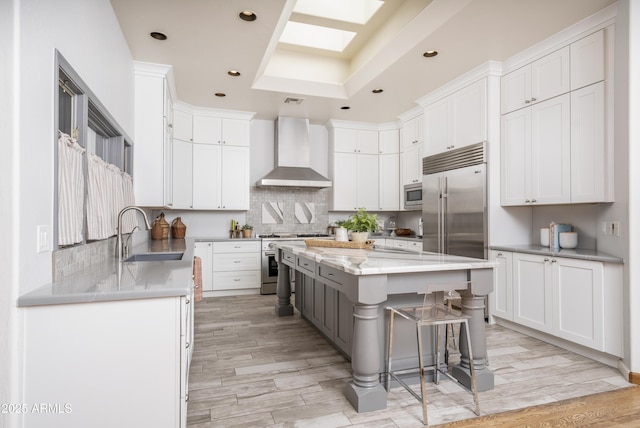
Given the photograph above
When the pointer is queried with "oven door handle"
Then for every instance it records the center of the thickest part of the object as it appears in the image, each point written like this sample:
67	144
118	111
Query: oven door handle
269	253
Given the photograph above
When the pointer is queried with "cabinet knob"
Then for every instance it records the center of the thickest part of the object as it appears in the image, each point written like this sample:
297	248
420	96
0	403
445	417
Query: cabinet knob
533	99
533	201
554	261
527	101
546	259
499	255
527	201
186	345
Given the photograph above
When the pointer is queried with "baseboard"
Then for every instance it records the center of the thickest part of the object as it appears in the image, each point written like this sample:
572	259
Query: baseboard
634	378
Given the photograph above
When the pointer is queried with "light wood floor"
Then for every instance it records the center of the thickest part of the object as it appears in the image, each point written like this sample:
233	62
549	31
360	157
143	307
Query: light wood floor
253	369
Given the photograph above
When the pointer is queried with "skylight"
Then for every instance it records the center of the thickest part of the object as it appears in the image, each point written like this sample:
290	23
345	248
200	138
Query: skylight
347	16
314	36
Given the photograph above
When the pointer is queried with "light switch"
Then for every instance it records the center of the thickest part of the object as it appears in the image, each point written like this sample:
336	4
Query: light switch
43	238
614	228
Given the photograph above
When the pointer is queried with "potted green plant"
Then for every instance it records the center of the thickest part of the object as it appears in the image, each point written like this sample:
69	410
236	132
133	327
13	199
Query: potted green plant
361	224
247	230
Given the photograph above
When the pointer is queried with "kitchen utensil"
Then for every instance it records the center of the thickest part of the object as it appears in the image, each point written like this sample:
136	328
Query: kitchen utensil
568	239
544	236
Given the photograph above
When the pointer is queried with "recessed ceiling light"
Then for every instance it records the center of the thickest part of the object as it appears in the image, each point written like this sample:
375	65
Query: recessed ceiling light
430	54
345	108
234	73
158	36
247	15
220	94
377	90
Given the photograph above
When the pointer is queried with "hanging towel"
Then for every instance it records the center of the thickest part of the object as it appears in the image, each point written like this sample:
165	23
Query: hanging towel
197	278
70	190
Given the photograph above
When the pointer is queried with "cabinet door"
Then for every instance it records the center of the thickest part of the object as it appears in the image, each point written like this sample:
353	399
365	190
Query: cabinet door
234	183
204	250
236	132
389	141
329	311
345	140
532	292
317	309
550	75
470	115
343	322
588	146
367	181
344	182
516	89
367	141
551	151
438	126
412	165
182	125
514	157
182	174
501	298
389	182
578	301
412	131
587	60
207	130
207	160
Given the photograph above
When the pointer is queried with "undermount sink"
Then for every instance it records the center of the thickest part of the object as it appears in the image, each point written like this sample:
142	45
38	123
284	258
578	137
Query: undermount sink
153	257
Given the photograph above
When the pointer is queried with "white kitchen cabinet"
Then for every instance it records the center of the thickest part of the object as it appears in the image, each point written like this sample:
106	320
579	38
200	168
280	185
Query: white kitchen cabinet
129	355
501	298
457	120
389	182
349	140
206	176
405	244
355	181
182	174
235	178
413	132
532	291
411	162
152	161
388	142
236	266
577	300
536	154
182	125
541	80
589	169
223	131
587	60
204	250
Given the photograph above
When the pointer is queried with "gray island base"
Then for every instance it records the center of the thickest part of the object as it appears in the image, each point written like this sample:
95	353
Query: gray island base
344	293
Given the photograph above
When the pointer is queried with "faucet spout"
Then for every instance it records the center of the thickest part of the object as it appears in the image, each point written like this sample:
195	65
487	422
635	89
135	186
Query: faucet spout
119	236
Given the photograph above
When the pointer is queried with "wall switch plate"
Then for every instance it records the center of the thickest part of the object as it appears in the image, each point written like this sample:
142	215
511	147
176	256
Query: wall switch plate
43	238
614	228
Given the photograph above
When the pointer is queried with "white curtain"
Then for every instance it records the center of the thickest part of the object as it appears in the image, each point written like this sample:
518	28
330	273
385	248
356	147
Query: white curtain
70	190
109	191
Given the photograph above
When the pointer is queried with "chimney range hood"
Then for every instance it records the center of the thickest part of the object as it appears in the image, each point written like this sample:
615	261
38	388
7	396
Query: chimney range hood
292	157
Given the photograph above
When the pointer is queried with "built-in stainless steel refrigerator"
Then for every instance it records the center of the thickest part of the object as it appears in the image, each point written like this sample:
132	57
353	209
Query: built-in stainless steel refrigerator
454	202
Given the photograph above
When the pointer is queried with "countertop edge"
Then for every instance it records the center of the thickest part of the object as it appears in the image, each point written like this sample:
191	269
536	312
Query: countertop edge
577	253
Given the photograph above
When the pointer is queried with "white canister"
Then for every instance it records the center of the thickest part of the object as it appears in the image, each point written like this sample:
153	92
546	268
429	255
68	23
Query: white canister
568	239
544	236
342	234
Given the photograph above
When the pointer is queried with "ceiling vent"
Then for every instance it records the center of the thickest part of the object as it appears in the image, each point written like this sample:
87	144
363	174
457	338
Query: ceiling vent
291	100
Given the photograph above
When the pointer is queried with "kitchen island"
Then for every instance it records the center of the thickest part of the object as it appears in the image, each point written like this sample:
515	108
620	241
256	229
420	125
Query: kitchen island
344	292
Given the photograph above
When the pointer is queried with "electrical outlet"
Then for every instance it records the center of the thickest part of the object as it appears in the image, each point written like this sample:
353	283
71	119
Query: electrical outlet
614	228
43	238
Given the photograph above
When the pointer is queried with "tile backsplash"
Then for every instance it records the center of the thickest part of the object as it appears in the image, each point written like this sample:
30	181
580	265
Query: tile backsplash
282	209
68	261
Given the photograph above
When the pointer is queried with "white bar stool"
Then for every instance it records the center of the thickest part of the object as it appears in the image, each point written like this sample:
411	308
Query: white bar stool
429	315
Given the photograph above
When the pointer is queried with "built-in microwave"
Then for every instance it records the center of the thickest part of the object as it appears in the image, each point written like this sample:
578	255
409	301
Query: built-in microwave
413	196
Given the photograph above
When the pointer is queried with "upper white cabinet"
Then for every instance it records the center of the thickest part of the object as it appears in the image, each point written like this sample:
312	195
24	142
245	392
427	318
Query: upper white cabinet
412	136
153	107
210	161
457	120
542	79
216	130
587	60
413	132
365	167
558	151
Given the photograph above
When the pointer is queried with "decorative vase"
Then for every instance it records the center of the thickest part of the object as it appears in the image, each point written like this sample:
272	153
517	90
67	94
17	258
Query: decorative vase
359	236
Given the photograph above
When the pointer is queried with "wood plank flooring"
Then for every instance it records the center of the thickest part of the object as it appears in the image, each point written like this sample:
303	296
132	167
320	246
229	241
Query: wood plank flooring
253	369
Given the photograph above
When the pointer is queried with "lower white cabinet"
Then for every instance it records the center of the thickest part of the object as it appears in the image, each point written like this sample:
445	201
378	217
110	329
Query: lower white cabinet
204	250
576	300
114	364
404	244
236	265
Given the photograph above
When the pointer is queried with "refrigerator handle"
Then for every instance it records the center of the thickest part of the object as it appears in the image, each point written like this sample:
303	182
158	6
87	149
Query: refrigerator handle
443	214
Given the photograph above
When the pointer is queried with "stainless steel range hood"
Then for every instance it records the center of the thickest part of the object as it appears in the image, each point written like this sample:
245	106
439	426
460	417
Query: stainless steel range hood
292	157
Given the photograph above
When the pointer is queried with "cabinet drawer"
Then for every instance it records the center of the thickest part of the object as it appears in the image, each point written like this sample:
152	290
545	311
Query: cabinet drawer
414	245
236	247
236	280
225	262
289	259
333	277
305	265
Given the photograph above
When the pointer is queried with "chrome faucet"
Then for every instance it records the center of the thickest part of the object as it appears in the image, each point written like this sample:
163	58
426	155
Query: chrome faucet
119	240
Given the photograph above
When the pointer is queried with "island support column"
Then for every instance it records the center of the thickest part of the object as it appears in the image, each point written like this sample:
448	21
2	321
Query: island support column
365	392
283	289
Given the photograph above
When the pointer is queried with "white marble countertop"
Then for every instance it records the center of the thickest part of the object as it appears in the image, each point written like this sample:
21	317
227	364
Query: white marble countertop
575	253
110	280
382	260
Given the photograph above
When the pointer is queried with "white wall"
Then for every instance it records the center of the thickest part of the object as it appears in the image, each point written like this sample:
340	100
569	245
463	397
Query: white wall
89	37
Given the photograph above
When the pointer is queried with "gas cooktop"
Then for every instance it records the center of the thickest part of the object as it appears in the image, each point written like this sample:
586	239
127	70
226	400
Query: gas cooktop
276	235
